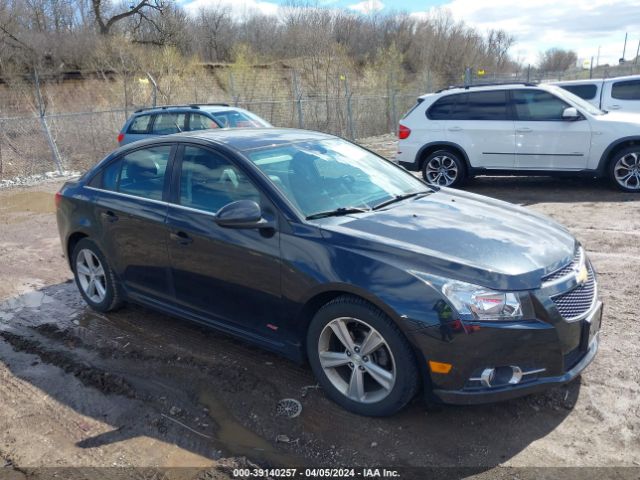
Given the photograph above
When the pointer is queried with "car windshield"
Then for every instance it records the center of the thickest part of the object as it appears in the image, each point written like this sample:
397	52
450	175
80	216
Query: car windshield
576	100
238	119
334	176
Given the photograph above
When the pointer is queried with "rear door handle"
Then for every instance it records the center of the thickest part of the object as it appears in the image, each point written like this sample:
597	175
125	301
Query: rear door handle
454	129
523	130
181	237
109	216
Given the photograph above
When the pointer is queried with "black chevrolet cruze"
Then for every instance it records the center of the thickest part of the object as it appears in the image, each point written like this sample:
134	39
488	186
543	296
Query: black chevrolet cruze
313	247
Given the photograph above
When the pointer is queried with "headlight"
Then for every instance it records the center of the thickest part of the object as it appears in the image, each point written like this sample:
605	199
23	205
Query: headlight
473	302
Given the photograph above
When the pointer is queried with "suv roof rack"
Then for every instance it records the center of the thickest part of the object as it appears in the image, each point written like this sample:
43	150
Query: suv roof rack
190	105
489	84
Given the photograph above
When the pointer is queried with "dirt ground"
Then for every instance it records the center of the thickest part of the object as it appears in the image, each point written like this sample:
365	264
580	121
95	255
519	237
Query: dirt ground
137	388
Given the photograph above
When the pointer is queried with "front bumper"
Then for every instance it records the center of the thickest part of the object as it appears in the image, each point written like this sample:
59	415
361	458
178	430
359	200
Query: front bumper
562	350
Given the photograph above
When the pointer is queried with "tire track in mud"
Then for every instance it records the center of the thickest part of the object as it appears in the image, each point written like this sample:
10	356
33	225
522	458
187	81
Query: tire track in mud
101	380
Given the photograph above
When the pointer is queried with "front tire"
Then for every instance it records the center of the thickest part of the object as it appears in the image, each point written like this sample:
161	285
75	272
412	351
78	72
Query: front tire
360	358
624	169
94	278
443	168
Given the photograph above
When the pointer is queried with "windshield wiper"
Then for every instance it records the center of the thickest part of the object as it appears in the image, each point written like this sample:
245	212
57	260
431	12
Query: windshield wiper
337	212
399	198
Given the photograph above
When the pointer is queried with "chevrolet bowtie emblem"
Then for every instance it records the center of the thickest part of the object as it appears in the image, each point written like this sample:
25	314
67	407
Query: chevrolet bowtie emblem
582	275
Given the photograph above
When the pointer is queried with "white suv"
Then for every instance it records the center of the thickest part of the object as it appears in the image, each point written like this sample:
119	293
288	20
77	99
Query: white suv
520	129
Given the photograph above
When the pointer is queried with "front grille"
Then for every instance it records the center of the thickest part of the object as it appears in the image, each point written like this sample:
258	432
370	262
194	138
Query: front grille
577	302
567	269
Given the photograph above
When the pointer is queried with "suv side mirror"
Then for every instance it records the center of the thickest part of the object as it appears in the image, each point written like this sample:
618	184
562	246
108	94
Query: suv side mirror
570	114
242	214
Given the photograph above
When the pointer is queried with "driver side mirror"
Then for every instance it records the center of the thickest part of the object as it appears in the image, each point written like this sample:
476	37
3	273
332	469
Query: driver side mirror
243	214
570	114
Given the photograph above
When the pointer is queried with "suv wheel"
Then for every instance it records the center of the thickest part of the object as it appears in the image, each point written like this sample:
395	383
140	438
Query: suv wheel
94	278
624	169
360	358
443	168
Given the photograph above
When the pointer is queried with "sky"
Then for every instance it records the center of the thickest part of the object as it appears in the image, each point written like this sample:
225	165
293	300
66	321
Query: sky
585	26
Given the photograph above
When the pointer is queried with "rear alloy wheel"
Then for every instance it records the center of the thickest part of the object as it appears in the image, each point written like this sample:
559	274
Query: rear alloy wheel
624	169
94	277
443	168
360	358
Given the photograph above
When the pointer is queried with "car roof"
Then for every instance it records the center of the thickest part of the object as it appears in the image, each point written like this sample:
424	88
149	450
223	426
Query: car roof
244	139
480	88
208	108
596	80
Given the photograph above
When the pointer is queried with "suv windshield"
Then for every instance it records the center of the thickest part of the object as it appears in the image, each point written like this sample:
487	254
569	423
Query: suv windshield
575	100
334	176
237	119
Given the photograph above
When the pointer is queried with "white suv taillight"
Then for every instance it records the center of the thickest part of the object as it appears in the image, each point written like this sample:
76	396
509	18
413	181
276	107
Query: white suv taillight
403	132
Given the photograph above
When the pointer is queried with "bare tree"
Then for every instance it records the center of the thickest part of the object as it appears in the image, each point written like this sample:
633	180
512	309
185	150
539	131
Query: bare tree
557	60
141	9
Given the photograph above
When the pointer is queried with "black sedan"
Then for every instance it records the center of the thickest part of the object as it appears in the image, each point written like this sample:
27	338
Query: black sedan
318	249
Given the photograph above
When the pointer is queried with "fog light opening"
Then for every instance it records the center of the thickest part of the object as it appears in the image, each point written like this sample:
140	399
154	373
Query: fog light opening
497	376
487	376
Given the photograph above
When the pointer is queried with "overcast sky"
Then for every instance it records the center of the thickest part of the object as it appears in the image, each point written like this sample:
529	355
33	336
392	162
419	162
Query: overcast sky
581	25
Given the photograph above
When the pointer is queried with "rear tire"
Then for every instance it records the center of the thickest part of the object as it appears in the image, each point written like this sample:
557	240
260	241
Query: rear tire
376	374
624	169
443	168
95	278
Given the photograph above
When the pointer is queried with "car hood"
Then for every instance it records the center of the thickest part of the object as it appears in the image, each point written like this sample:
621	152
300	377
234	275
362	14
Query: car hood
630	119
459	235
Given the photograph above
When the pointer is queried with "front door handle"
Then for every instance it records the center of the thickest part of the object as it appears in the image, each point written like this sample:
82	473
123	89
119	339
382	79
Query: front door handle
614	107
454	129
523	130
109	216
181	237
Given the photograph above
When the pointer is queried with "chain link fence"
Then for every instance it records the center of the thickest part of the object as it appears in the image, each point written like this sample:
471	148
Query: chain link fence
68	124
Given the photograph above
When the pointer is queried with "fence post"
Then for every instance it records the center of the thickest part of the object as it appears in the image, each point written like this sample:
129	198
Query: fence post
233	89
297	96
347	92
467	76
529	73
43	122
392	97
154	92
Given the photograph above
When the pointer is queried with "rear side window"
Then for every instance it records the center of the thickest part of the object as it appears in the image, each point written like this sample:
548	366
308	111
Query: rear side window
627	90
420	100
140	173
489	105
586	92
441	109
140	124
537	105
168	123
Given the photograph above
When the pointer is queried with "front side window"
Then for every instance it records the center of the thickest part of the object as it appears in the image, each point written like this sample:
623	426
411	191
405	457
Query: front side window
208	181
627	90
325	175
168	123
140	124
537	105
140	173
198	121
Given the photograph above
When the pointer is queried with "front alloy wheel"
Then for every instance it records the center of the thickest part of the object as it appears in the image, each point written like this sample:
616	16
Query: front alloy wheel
357	360
625	171
361	358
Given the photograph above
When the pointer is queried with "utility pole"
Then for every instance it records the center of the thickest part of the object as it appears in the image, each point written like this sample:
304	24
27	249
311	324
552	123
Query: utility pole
635	61
624	49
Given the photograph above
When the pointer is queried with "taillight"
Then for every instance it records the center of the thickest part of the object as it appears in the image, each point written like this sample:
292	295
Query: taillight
58	199
120	137
403	132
